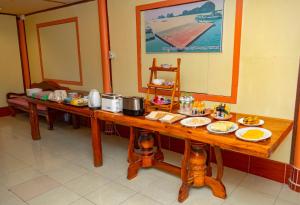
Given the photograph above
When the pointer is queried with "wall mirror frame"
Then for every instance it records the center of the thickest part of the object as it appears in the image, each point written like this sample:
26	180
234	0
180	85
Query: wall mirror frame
236	49
40	26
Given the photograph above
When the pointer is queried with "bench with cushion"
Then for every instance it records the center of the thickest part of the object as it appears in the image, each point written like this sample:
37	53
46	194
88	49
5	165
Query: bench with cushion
17	101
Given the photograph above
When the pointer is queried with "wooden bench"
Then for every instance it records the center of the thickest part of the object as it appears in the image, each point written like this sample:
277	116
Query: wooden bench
17	101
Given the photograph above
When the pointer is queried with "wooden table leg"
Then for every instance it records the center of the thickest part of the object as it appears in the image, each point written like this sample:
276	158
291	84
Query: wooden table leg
133	159
194	170
75	121
96	141
34	122
184	189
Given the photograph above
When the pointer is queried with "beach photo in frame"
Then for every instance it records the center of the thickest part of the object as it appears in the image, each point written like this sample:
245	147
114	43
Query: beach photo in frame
191	27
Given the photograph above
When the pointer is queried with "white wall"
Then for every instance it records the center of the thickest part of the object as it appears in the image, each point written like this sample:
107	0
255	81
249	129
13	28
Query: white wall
10	62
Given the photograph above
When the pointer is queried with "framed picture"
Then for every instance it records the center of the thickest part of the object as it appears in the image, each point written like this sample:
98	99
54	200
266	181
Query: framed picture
195	69
191	27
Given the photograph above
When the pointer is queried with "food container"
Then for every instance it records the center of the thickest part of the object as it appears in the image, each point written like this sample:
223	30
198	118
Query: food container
186	103
133	106
111	102
158	81
30	92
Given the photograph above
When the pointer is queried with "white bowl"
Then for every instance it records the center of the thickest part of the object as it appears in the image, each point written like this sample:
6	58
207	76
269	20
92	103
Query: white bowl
158	81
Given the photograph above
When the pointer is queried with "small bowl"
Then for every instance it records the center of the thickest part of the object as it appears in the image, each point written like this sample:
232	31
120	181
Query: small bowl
158	81
166	66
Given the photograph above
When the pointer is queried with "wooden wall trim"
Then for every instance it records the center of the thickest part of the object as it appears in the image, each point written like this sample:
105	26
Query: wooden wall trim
236	51
9	14
58	7
57	22
296	120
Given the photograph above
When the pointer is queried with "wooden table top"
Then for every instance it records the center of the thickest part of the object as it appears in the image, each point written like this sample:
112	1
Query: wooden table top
83	111
280	128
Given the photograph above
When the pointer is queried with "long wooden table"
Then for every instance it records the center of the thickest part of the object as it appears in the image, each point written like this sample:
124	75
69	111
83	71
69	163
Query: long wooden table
195	170
82	111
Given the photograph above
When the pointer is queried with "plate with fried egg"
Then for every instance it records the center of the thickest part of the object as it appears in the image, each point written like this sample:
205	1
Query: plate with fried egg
253	134
222	127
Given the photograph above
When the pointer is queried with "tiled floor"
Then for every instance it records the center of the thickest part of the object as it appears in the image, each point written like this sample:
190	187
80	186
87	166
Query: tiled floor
58	170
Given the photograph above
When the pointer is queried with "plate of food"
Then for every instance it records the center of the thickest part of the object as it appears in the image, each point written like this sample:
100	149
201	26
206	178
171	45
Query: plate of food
195	121
155	115
222	127
253	134
171	118
251	121
78	102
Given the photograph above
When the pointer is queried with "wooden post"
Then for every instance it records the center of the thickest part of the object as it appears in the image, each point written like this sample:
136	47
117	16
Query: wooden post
104	44
23	53
294	180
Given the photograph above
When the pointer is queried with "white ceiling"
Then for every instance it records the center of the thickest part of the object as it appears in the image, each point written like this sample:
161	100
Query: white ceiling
20	7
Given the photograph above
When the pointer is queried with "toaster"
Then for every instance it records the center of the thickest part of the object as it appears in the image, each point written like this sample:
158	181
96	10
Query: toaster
133	106
111	102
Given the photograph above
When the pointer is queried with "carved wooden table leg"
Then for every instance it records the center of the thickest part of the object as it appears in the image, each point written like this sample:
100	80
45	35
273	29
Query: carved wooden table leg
184	189
216	185
208	161
96	141
133	159
145	157
194	170
34	122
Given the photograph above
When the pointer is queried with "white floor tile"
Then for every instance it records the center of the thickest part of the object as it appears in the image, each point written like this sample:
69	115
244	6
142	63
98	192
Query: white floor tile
66	172
284	202
165	191
140	199
260	184
288	195
20	176
34	187
86	183
82	201
58	196
243	196
111	194
142	181
8	198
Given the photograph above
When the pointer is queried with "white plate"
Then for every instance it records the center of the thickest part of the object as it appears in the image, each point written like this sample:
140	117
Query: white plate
187	122
232	129
239	134
241	121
